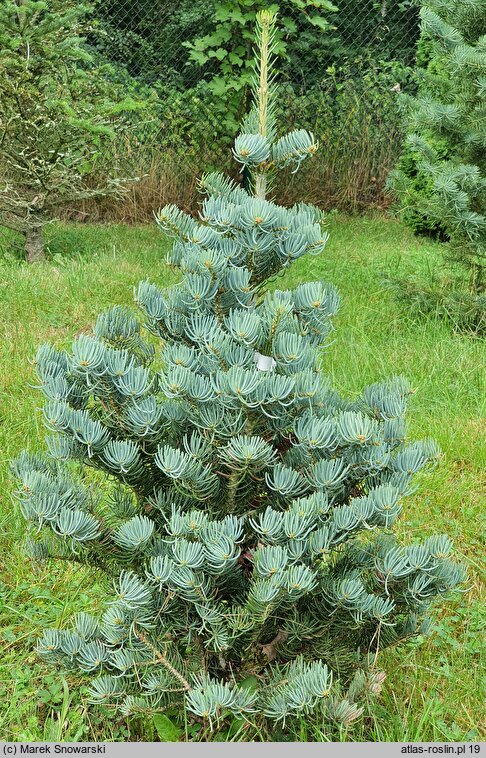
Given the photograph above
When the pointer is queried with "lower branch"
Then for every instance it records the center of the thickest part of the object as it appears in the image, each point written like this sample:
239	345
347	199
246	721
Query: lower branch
163	660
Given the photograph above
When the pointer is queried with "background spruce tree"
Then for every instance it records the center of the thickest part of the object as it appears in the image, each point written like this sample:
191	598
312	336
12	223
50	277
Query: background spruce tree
57	114
441	179
243	509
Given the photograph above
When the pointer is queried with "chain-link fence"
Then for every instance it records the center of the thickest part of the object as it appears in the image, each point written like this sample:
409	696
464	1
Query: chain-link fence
339	68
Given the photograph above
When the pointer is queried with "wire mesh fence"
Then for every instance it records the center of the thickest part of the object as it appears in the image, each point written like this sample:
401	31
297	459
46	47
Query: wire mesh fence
188	59
148	37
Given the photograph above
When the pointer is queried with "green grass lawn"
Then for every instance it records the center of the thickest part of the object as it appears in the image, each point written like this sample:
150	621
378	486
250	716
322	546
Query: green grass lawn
433	690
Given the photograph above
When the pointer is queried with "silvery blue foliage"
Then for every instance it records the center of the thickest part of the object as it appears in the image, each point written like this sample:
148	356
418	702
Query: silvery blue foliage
244	515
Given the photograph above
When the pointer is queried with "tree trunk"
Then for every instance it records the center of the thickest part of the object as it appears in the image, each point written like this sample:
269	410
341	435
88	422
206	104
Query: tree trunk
34	245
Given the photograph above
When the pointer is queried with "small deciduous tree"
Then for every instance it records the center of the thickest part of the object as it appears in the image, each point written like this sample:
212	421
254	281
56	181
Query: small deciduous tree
226	52
242	507
56	116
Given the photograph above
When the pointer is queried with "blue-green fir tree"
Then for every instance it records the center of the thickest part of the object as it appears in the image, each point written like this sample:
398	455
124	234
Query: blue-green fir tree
441	179
242	509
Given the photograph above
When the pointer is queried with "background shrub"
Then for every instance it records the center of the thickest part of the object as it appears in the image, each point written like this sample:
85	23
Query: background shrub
441	184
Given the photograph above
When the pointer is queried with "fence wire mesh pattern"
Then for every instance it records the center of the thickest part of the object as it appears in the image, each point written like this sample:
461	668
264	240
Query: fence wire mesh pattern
340	67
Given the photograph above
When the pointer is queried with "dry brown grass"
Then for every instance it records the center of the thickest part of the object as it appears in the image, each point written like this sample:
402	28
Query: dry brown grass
348	174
